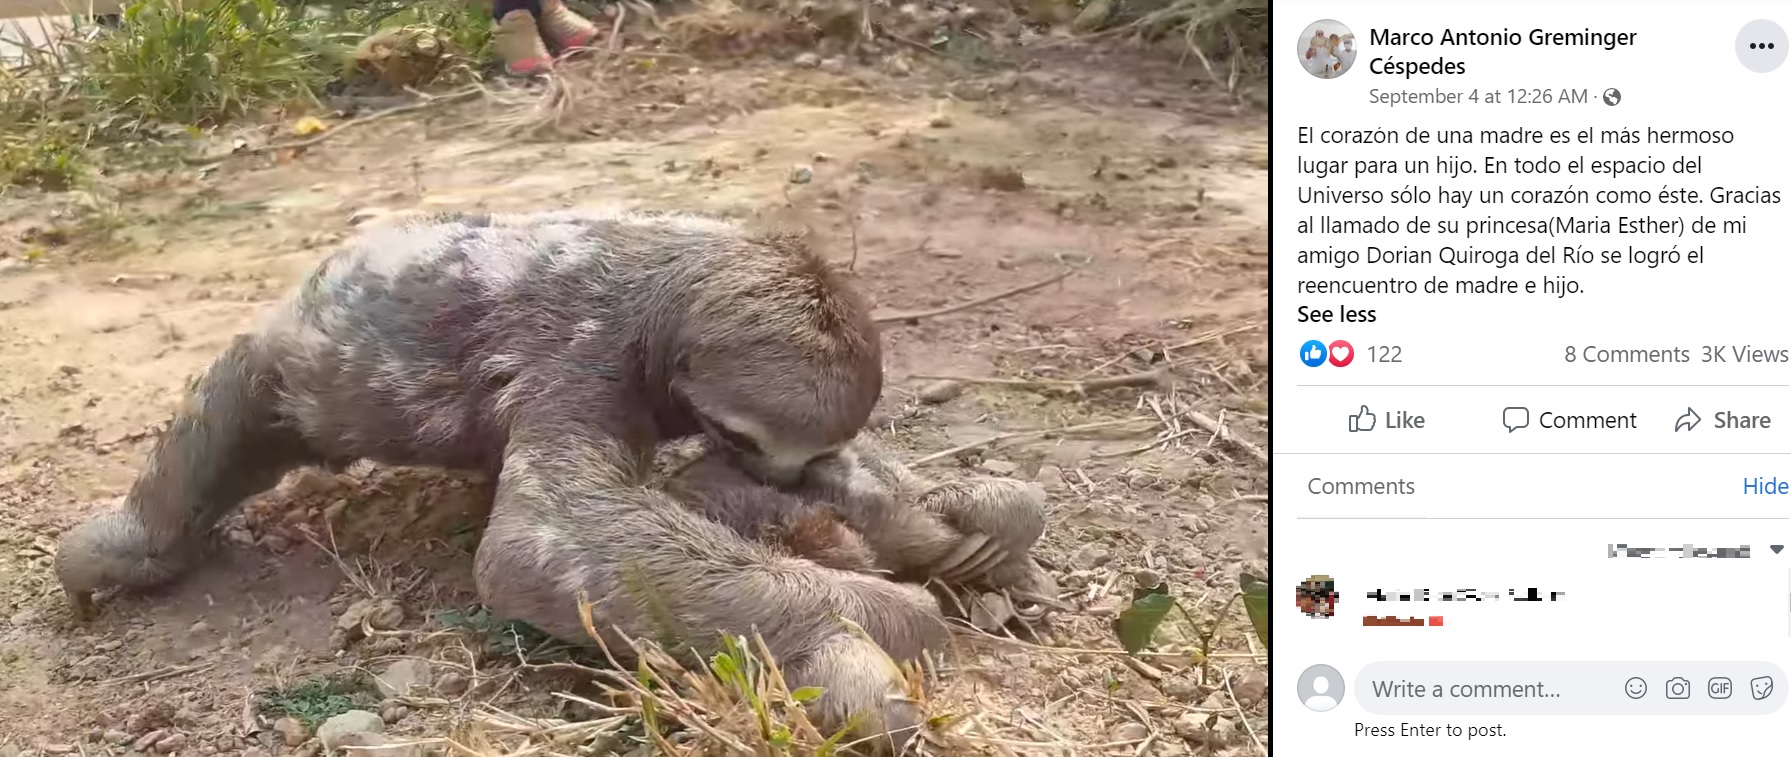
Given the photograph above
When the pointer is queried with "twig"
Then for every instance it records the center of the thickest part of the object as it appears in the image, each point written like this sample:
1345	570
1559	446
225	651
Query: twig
1148	447
1148	378
300	144
159	674
1022	289
1002	437
1241	717
1209	424
615	29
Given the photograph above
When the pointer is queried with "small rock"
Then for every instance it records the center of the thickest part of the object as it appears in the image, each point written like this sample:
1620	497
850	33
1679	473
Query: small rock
392	712
1092	556
990	612
1050	476
1250	689
377	743
1191	726
400	676
1145	578
172	743
1000	467
291	731
1180	688
940	121
365	215
199	628
116	737
801	174
1002	179
833	65
821	157
940	392
331	733
451	684
807	60
1131	732
148	740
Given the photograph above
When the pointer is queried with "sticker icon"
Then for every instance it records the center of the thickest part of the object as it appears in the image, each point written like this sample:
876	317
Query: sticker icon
1312	353
1342	353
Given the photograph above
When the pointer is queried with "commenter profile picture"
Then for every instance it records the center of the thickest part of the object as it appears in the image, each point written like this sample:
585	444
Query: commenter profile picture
1327	49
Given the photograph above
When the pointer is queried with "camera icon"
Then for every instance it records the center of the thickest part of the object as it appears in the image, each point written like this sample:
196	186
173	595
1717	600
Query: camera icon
1678	688
1721	688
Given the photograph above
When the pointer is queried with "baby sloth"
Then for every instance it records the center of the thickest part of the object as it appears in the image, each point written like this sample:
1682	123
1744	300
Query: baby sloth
556	352
864	510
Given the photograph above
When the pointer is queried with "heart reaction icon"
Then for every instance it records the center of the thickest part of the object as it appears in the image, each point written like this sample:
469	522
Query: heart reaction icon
1341	353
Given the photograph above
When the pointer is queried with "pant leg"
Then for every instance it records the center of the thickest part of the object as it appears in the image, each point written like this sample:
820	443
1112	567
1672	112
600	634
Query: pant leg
502	8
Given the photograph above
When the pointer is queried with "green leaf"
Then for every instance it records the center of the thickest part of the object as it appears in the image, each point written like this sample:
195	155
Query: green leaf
806	694
1138	624
1256	603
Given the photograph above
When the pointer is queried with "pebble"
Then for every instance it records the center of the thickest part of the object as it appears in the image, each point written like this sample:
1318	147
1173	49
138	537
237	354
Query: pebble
940	121
147	740
116	737
392	712
807	60
940	392
331	733
291	731
1092	556
400	676
1181	688
1250	689
1000	467
378	743
1050	476
1131	732
1145	578
451	684
1191	725
801	174
172	743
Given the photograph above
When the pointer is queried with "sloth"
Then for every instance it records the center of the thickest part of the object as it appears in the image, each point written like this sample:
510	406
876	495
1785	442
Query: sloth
556	352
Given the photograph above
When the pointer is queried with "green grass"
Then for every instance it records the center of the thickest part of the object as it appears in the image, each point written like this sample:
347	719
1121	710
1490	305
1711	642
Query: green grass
175	68
310	702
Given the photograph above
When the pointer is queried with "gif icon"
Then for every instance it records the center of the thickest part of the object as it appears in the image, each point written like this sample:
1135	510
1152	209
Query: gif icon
1720	688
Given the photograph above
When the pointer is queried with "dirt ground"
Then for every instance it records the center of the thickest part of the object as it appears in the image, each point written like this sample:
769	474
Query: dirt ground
941	184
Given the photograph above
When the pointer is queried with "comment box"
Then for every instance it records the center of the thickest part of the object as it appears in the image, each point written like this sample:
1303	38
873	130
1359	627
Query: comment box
1571	688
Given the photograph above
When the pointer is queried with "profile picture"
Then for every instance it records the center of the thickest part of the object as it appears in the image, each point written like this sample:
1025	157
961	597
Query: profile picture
1317	596
1327	49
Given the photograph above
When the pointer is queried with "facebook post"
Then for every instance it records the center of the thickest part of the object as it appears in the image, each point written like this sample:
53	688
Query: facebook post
1534	377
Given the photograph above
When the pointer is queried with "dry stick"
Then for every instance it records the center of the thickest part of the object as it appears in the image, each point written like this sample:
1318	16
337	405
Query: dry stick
1246	721
1002	437
158	674
1151	446
1148	378
1211	425
1022	289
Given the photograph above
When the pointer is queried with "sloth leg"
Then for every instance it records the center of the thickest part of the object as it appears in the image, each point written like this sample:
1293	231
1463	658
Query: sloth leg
572	517
227	443
979	531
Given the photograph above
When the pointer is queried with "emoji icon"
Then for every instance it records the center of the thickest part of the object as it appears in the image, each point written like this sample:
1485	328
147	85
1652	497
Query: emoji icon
1762	687
1312	353
1636	688
1341	353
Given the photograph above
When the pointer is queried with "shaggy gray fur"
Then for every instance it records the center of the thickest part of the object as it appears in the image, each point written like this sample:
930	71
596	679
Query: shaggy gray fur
556	351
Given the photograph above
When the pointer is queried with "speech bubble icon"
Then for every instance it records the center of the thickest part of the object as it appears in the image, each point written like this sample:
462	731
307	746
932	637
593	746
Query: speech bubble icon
1516	418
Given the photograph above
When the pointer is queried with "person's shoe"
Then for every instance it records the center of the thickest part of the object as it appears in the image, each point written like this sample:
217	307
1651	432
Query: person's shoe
564	27
518	43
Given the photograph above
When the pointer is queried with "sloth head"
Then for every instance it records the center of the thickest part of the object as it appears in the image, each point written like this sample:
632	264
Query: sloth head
780	367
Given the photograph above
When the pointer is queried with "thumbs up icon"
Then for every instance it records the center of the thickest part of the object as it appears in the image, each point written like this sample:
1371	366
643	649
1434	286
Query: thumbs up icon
1362	421
1312	353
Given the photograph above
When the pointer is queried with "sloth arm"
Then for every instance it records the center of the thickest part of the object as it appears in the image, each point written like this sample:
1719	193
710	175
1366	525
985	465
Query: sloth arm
572	515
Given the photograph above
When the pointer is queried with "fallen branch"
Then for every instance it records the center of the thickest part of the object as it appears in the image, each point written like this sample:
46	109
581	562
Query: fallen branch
949	309
1148	378
159	674
1010	435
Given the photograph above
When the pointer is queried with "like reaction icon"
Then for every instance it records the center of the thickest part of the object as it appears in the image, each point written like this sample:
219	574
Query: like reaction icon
1342	353
1312	353
1362	421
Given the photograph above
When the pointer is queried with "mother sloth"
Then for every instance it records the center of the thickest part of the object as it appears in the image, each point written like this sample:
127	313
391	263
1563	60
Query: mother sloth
557	351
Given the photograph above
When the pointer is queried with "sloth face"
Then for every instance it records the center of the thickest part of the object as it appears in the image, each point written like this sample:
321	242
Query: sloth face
774	409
